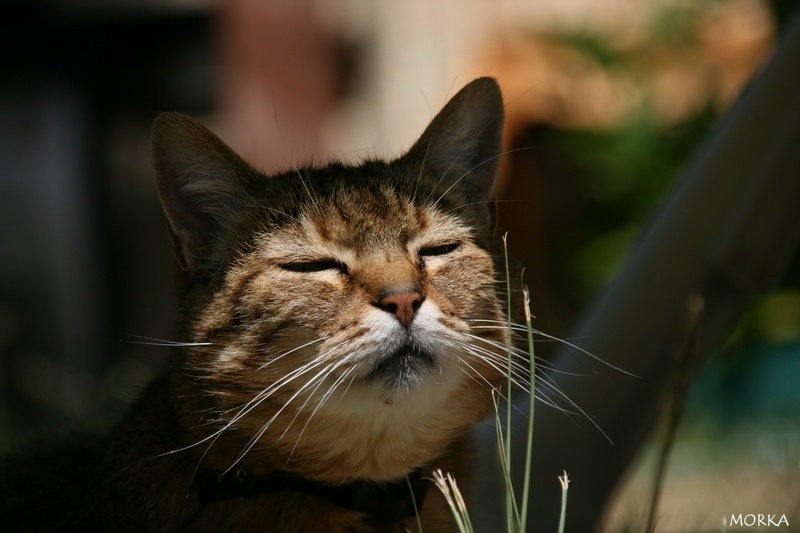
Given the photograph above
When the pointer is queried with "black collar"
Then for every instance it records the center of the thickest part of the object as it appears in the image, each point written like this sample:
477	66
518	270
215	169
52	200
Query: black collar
382	503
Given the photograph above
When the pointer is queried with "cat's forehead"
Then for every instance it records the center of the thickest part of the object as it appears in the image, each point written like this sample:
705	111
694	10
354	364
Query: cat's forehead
364	219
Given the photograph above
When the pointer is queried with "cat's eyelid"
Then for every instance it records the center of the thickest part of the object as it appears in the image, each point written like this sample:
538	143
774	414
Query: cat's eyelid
441	249
314	265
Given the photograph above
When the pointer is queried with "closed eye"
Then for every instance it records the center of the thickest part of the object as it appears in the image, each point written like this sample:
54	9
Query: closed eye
439	250
314	266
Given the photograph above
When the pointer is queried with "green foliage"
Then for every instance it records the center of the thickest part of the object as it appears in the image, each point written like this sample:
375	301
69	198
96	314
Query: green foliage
620	177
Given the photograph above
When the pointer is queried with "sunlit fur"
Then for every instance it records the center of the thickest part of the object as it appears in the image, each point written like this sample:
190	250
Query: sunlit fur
287	373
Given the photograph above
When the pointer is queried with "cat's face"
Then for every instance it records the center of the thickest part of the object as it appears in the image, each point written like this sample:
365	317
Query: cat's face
324	296
372	289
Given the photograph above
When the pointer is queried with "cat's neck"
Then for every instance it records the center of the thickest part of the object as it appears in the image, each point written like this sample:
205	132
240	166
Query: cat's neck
383	441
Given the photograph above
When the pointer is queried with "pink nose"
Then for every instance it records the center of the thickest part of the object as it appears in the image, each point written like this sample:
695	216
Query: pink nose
402	304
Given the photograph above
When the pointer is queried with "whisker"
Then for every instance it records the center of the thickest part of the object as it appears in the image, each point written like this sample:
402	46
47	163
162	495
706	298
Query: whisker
500	364
320	380
296	348
152	341
322	400
249	446
243	411
521	328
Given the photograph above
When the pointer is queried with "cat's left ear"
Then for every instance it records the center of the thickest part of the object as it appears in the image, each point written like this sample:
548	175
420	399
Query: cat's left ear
203	186
464	141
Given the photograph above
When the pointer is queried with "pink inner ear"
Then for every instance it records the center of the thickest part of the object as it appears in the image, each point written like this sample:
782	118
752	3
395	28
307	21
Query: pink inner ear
187	228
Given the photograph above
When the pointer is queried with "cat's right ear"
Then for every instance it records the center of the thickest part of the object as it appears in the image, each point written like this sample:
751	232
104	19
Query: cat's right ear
200	183
463	143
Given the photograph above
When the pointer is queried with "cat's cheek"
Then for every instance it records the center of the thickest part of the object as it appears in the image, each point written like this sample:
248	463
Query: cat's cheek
460	288
338	310
289	294
447	308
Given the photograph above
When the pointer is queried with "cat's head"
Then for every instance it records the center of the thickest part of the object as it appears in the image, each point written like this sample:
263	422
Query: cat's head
340	291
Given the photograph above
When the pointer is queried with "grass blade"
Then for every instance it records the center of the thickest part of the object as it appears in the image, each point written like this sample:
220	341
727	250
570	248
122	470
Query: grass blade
506	450
447	485
414	503
562	520
529	450
509	487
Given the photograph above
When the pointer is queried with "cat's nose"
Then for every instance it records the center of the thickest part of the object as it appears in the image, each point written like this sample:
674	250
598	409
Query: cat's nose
403	304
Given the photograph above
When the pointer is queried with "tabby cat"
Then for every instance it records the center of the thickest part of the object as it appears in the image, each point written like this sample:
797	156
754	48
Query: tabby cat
343	334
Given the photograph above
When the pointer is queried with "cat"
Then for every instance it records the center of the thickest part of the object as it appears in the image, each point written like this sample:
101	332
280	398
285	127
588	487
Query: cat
344	328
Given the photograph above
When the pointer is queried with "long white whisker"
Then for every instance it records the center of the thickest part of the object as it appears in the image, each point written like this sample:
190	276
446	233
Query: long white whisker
500	363
249	406
519	327
152	341
296	348
321	401
329	369
324	372
244	410
479	375
499	366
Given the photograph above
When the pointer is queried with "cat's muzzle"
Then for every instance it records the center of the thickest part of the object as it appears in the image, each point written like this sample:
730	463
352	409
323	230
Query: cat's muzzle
402	368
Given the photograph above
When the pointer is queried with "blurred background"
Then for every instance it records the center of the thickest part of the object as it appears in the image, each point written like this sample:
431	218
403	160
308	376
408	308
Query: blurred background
606	103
